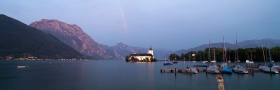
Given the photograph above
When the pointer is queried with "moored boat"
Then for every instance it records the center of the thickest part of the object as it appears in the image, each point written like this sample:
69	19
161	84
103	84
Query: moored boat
191	70
167	64
240	69
225	68
213	69
175	62
267	69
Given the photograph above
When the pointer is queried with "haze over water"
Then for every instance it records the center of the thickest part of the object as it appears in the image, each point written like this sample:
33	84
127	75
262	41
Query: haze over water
120	75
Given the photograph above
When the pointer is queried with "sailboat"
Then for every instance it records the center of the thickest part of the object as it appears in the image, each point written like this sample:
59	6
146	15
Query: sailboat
270	68
238	68
212	68
167	63
174	61
250	62
204	61
225	67
191	68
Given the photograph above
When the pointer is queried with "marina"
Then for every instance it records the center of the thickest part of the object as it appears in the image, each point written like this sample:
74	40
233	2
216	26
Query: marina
204	69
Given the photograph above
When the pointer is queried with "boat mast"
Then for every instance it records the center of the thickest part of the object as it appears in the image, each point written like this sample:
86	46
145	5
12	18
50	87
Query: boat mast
209	50
269	54
235	57
189	53
229	56
214	51
251	56
223	50
263	56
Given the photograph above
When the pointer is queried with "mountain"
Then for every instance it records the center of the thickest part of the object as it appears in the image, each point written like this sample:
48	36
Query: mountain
259	43
124	50
242	44
20	40
73	36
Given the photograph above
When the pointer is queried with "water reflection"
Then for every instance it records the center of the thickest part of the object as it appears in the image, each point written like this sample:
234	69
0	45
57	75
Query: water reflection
151	80
120	75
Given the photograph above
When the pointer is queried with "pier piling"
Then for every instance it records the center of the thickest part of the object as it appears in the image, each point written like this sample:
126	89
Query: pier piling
175	72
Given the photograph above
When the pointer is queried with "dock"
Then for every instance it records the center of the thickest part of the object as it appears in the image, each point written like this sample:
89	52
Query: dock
163	70
172	70
278	68
180	70
253	69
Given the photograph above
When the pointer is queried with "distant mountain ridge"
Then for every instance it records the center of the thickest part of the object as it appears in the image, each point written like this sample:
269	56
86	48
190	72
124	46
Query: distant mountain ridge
242	44
18	40
73	36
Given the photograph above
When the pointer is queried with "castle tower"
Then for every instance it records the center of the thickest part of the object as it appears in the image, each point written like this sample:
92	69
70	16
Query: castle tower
150	51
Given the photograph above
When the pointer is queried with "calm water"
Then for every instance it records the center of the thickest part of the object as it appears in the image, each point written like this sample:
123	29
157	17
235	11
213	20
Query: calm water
120	75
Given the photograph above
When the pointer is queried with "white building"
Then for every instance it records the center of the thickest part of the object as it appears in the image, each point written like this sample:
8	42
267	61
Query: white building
143	56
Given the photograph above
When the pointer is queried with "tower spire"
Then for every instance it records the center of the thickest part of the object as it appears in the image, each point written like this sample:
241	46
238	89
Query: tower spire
150	51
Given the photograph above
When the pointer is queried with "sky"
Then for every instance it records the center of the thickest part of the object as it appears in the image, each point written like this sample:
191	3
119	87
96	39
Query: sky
165	24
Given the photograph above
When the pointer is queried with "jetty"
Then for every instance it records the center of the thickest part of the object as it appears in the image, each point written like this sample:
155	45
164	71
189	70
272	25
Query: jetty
181	70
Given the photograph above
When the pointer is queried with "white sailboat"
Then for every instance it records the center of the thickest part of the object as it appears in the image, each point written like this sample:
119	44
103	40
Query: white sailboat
190	68
212	68
270	68
250	62
238	68
224	66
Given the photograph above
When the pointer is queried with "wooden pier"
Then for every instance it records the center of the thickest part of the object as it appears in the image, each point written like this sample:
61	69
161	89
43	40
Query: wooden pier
172	70
278	68
163	70
254	69
180	70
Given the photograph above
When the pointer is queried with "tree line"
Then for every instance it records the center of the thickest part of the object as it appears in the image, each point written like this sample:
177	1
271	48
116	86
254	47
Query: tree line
258	54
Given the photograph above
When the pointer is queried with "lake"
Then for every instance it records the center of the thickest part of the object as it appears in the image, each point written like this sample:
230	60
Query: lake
120	75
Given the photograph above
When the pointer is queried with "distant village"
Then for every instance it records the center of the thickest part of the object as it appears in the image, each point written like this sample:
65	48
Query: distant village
35	58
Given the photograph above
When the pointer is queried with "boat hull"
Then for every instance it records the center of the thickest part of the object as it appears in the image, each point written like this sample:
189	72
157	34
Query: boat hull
213	69
267	69
167	64
226	69
240	69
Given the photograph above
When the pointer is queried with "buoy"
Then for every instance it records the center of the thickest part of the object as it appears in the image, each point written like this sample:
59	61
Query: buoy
21	66
220	81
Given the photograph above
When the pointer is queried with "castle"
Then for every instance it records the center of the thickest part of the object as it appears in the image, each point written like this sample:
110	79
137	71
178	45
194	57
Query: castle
143	56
